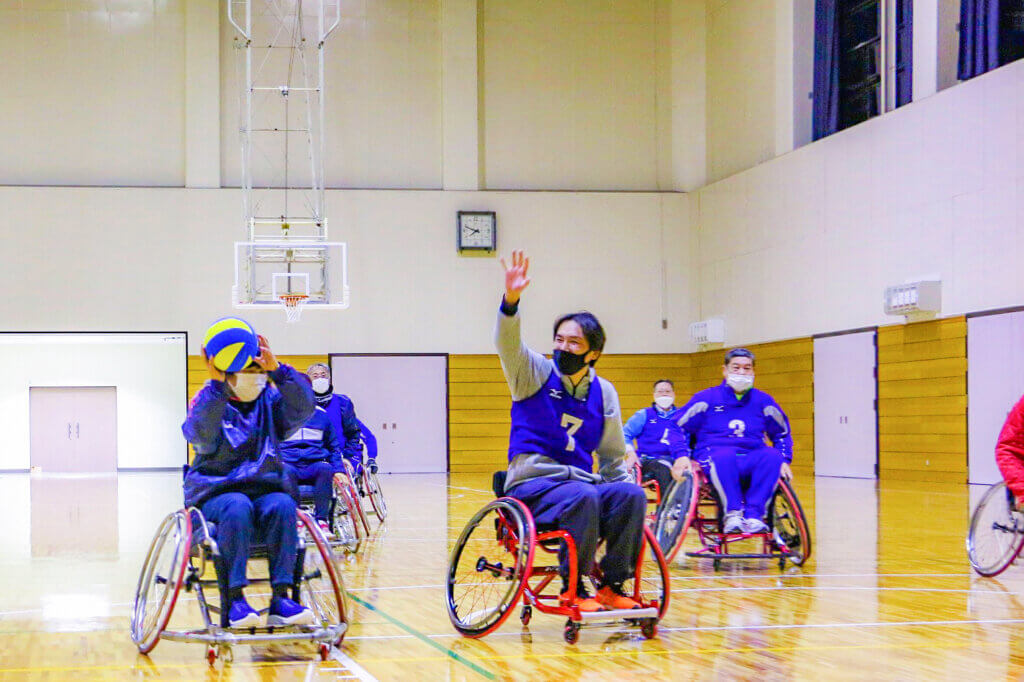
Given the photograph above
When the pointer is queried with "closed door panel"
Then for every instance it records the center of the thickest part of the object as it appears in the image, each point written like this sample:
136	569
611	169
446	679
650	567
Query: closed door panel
995	381
74	429
845	422
403	400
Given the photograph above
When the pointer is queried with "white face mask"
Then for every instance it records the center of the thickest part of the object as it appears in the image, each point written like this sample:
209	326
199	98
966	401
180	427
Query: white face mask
249	386
321	385
664	401
740	382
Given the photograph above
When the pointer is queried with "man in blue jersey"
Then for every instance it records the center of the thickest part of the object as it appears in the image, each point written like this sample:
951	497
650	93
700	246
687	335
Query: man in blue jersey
728	425
563	415
650	429
313	455
342	414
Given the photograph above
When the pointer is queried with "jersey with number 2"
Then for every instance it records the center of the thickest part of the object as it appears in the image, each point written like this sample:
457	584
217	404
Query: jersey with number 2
553	423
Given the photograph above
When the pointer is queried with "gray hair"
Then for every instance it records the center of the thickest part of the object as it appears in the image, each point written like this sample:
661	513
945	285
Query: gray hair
318	364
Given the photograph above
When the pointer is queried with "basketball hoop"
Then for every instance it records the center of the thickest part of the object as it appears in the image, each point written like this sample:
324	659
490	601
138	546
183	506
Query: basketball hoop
293	305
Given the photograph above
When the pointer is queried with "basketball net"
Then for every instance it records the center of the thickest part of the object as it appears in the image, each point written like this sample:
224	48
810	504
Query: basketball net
293	306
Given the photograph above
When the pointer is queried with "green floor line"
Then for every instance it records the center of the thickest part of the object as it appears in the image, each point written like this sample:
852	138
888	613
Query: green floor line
423	638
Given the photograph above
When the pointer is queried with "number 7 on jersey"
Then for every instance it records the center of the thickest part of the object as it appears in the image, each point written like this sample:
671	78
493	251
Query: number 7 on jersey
572	425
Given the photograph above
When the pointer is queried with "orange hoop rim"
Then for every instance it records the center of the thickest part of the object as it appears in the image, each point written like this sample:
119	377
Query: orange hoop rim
292	299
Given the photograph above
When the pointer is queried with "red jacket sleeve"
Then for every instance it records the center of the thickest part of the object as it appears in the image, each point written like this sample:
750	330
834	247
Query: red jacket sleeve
1010	450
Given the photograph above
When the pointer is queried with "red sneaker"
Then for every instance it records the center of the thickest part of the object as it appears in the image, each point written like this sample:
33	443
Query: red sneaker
584	602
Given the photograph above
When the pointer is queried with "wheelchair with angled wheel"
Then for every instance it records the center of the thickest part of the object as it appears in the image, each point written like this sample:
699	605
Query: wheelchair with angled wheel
693	504
995	535
492	568
185	546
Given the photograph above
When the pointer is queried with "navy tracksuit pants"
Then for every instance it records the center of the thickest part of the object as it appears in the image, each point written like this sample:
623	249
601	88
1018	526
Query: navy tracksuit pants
613	512
320	475
744	479
268	519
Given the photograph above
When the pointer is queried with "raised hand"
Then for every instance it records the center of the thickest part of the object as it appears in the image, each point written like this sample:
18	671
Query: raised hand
516	276
266	358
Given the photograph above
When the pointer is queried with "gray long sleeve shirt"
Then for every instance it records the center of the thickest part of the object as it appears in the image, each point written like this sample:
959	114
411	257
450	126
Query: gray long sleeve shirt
526	372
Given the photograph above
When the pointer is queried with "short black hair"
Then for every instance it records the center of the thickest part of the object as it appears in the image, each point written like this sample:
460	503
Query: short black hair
593	332
664	381
738	353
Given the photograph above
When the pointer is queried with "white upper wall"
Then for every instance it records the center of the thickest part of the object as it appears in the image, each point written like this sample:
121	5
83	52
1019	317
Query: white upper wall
93	92
159	259
806	243
570	94
741	85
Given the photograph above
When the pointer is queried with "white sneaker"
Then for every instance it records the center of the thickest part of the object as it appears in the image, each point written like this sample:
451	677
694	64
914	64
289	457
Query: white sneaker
733	523
754	526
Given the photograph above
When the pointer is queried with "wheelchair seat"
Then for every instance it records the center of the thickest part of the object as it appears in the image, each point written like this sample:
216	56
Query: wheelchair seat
498	483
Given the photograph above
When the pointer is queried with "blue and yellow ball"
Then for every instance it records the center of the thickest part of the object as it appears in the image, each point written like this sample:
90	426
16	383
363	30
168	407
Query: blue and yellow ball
232	344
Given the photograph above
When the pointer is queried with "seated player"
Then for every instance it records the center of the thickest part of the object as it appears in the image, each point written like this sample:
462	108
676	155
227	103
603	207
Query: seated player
650	429
1010	453
313	455
563	415
237	478
369	445
728	424
342	414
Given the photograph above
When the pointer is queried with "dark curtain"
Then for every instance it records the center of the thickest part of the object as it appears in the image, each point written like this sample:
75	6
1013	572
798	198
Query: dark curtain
904	52
826	68
979	37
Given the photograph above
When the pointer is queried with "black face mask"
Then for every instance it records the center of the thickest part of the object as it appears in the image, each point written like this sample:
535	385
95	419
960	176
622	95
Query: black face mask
568	363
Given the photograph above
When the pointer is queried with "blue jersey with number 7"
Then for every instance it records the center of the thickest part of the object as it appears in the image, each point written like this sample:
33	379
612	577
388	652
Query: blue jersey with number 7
554	424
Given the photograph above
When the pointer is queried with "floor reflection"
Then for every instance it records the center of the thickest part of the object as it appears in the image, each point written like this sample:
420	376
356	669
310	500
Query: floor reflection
74	515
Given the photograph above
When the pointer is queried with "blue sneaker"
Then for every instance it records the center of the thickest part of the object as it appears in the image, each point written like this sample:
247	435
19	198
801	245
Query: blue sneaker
284	611
242	615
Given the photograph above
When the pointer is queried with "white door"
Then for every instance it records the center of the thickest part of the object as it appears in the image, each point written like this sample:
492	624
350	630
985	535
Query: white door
73	429
403	399
995	381
845	421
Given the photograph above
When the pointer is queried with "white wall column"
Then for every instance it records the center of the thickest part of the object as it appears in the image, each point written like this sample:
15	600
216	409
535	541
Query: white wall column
926	48
460	95
784	48
202	93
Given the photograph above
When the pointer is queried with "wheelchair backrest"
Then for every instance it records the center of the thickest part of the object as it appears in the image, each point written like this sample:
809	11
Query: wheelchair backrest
498	483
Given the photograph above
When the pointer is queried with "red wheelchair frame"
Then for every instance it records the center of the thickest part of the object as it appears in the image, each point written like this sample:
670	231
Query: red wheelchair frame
787	538
516	534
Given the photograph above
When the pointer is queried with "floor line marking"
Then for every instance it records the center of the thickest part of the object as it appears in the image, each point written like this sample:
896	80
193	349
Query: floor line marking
426	640
786	576
833	588
880	624
351	666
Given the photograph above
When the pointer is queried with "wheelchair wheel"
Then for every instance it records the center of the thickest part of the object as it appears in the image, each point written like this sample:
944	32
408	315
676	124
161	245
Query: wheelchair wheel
489	566
651	584
371	484
321	587
996	533
790	523
676	515
160	581
344	519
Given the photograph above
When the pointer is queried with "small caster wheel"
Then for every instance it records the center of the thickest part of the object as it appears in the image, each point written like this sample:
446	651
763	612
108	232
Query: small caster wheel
649	628
572	632
211	655
717	565
782	563
525	616
325	651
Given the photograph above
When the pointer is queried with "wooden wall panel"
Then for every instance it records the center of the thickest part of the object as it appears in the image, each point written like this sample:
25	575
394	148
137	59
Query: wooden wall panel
479	401
922	401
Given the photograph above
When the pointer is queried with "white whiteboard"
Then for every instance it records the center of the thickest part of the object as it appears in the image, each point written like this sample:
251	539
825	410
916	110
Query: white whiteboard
995	382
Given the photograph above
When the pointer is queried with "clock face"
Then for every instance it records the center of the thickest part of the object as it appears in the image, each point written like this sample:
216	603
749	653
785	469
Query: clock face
476	230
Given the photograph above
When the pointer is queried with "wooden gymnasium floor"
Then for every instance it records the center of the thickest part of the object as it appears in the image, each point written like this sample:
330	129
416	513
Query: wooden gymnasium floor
888	595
